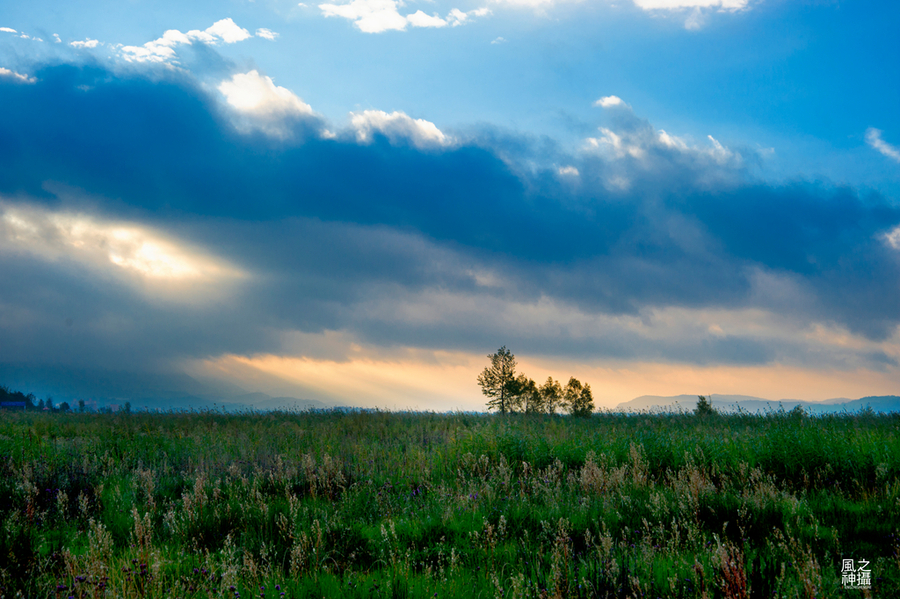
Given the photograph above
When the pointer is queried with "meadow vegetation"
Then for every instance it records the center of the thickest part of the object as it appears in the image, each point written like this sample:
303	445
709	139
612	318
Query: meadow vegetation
376	504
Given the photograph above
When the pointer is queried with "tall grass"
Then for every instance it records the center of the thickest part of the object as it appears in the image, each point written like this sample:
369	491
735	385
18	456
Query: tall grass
376	504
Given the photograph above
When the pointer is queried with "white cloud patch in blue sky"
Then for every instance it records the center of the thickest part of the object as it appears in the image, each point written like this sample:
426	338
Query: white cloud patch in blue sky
163	49
421	19
893	238
14	76
267	34
378	16
634	150
370	16
397	127
731	5
88	43
262	105
609	102
698	11
254	93
873	138
457	17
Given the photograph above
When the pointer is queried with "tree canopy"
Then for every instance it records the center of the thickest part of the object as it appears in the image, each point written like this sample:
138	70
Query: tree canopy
704	406
497	380
508	392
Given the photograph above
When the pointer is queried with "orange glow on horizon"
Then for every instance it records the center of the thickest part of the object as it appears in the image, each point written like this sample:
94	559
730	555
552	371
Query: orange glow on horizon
445	381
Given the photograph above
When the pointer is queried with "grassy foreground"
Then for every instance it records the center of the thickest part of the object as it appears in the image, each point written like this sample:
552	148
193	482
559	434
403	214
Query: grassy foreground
333	504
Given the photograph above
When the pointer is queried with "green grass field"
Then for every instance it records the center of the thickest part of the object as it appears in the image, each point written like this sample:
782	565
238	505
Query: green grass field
375	504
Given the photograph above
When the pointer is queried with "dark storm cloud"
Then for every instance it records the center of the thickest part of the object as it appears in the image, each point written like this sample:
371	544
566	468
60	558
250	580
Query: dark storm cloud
165	146
327	226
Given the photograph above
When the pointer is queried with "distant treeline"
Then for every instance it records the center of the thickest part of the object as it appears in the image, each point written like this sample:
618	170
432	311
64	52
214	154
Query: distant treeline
16	400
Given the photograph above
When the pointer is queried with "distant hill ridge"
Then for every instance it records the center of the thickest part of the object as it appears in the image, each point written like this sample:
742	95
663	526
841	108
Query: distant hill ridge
731	403
143	390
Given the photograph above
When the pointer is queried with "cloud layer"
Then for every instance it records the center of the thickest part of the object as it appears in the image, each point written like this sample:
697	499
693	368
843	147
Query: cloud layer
642	245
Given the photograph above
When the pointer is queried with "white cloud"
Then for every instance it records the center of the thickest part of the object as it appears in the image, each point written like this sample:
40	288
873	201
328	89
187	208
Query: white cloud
632	148
683	4
699	9
266	33
893	238
56	38
499	40
567	171
695	21
8	30
621	145
228	31
87	43
609	102
377	16
18	77
172	38
370	16
637	144
420	19
719	152
536	4
158	50
162	49
873	138
149	52
397	126
458	17
258	94
671	141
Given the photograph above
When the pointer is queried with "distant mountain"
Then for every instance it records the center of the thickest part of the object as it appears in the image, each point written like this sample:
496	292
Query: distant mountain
731	403
147	390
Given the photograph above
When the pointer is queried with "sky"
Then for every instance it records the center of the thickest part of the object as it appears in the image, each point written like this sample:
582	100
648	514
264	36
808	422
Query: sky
358	202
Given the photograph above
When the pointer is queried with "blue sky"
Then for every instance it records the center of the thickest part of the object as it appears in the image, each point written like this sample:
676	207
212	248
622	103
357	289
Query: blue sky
357	201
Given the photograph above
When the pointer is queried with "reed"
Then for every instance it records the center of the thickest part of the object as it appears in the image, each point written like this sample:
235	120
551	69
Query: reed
378	504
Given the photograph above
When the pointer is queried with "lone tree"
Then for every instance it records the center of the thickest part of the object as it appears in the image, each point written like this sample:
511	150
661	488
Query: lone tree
498	379
704	406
